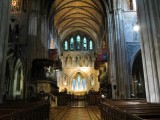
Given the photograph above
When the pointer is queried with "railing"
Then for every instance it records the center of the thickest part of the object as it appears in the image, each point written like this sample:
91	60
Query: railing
93	99
63	99
129	109
110	113
34	111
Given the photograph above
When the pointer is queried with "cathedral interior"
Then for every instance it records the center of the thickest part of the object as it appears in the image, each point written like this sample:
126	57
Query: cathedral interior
82	58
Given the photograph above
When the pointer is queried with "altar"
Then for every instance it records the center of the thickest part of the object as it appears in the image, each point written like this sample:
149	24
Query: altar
79	93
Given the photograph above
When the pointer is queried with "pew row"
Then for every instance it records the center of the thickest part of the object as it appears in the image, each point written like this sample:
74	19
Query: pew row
129	110
26	111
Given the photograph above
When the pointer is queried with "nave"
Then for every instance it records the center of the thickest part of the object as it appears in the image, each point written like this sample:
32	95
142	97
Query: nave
109	109
75	113
103	52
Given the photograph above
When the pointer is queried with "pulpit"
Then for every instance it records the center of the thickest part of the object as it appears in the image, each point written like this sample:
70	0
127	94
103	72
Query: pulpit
43	86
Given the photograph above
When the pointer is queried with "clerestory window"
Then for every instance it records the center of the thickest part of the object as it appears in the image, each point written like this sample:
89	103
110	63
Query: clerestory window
78	43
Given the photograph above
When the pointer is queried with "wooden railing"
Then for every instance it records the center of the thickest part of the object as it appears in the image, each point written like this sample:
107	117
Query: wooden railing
110	113
29	111
129	110
93	99
63	99
66	99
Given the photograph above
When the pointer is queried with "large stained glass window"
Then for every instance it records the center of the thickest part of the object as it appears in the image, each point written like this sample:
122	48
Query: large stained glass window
79	83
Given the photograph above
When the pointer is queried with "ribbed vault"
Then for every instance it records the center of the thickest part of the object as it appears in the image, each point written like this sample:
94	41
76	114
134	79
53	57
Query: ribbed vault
78	15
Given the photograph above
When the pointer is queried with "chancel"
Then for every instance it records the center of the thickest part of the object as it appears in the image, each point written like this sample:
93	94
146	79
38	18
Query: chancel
79	59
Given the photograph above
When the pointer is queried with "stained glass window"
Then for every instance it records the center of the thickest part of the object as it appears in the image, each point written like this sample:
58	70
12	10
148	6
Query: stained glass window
90	45
78	42
79	83
72	44
66	45
84	84
73	85
85	43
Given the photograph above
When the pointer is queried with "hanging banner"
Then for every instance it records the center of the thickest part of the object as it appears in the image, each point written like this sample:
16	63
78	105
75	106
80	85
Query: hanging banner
53	54
102	55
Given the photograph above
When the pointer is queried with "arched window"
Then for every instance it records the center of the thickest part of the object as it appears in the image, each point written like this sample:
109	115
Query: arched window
132	4
79	83
90	45
72	44
78	42
85	43
66	45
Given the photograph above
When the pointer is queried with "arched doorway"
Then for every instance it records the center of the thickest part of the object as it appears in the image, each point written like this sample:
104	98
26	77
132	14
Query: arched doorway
138	86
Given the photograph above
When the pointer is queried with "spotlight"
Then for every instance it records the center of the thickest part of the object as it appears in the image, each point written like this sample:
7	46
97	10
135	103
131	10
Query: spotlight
136	28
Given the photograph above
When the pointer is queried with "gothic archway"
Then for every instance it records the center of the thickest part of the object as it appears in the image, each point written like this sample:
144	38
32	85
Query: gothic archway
18	81
137	85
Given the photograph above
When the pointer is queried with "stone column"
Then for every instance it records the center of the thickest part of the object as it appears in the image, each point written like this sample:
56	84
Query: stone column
38	31
149	19
112	62
37	36
121	58
117	48
44	36
4	30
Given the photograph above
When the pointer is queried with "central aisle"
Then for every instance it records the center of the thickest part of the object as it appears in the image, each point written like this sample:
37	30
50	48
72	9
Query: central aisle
75	113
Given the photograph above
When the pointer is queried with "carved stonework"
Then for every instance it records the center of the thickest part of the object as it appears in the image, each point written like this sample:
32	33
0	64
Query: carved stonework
43	85
77	59
78	66
15	6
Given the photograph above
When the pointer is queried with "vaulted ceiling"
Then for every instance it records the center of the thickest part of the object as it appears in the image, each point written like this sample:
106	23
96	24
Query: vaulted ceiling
78	15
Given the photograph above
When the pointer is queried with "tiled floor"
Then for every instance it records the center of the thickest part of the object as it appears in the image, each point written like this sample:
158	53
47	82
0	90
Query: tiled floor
75	113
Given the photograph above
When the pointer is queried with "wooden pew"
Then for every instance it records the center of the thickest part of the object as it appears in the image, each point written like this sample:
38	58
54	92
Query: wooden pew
26	111
129	110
